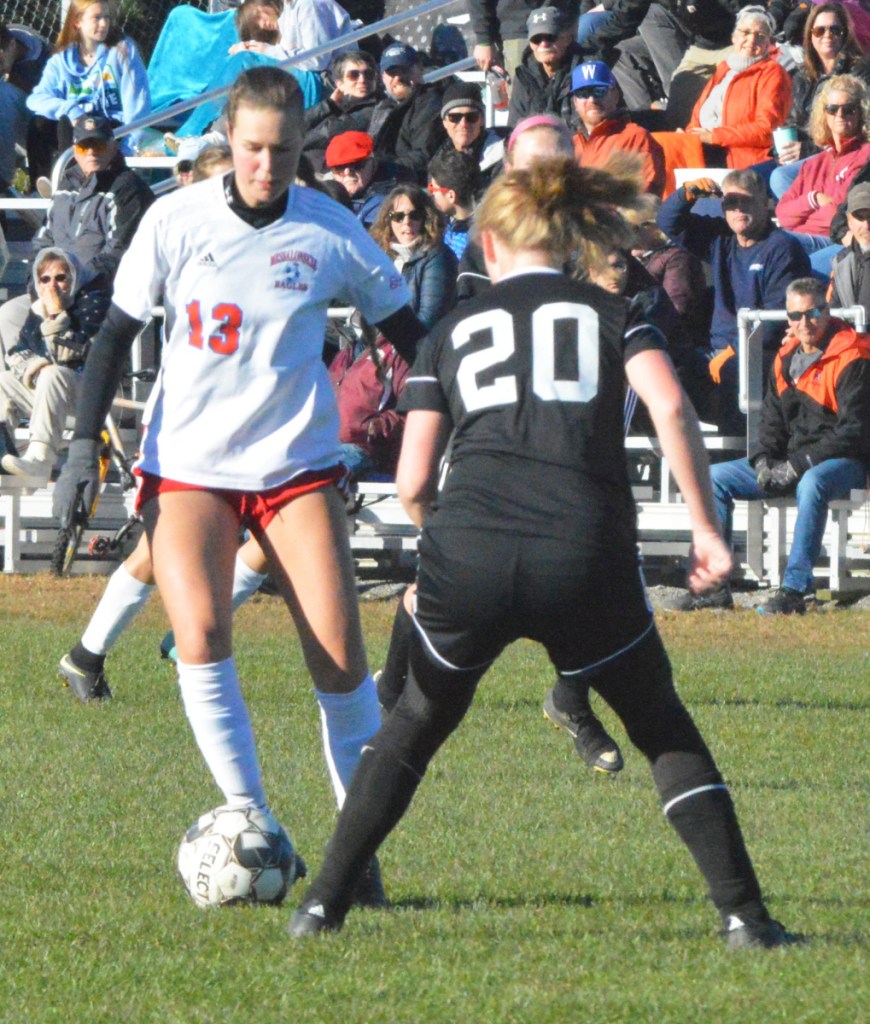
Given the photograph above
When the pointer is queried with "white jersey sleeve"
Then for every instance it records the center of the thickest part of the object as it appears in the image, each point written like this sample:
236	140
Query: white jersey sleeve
371	281
143	269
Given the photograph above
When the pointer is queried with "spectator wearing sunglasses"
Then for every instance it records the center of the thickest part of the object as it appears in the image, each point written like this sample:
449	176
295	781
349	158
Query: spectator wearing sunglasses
840	123
406	123
462	115
351	159
44	376
410	230
605	126
814	439
542	82
92	215
850	275
830	48
751	263
348	108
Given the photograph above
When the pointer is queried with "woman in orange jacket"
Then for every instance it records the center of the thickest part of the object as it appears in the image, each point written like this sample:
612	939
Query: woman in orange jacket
748	97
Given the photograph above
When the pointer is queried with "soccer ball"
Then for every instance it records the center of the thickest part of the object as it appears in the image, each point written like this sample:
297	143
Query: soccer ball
237	855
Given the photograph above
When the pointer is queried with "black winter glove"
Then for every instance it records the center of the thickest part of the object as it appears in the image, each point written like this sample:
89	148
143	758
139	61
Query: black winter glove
79	482
783	477
762	472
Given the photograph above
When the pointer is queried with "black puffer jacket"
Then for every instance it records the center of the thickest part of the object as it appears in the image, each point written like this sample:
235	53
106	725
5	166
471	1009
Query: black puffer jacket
94	218
534	93
410	132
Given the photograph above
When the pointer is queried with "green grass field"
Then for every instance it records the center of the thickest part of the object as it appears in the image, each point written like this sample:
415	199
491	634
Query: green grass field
525	889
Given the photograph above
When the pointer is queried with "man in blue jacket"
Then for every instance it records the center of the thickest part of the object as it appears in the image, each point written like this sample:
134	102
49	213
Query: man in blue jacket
752	262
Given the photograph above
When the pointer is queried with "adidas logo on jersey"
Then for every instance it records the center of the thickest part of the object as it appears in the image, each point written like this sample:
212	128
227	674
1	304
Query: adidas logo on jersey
207	261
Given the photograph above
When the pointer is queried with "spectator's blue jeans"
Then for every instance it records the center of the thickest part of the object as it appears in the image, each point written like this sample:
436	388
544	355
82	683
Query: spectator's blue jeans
821	251
589	24
831	479
782	177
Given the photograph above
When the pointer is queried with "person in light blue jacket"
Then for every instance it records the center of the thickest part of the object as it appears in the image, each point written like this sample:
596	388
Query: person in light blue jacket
95	70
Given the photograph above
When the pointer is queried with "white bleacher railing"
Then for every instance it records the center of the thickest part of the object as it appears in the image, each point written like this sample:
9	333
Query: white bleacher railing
317	51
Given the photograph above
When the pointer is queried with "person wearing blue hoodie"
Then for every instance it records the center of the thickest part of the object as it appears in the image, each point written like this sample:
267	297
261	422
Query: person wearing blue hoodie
95	70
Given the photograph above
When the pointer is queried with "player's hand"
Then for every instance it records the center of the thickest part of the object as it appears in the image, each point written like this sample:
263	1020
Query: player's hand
698	188
33	369
710	561
79	481
718	361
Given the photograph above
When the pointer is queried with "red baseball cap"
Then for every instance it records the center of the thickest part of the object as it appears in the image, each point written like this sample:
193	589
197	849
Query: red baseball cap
349	148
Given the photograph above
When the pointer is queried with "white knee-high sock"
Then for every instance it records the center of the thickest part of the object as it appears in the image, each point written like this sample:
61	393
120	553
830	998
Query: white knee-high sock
245	582
219	718
349	721
122	600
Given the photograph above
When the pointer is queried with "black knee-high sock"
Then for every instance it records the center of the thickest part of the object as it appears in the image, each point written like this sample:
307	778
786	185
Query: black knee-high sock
388	774
395	671
381	790
703	816
639	687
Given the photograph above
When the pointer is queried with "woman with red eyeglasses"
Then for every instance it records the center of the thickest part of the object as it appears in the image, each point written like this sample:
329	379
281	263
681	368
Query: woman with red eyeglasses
410	230
830	48
839	122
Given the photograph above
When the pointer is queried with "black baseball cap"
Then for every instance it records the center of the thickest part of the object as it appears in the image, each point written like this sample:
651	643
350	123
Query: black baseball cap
94	127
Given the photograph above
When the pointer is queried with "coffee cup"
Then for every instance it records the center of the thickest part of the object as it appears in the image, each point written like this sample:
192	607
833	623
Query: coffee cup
782	136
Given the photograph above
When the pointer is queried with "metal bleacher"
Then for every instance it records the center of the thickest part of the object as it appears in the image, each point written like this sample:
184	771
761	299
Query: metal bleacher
381	535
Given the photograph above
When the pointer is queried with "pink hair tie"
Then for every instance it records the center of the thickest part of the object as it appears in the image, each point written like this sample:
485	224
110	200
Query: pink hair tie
535	121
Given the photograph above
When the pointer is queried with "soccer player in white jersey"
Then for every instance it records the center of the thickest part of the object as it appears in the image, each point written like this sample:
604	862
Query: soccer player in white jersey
242	425
534	531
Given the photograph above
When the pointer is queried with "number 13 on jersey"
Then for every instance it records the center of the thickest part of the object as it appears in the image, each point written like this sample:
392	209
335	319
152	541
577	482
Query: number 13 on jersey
499	324
225	340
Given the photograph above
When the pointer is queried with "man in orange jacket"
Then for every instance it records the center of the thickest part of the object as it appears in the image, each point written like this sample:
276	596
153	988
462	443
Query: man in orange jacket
814	440
605	127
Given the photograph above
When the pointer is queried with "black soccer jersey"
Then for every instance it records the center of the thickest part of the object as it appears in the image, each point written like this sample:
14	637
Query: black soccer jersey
532	375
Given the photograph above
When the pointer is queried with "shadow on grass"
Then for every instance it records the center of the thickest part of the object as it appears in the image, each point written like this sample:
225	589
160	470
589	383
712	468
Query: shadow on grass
536	703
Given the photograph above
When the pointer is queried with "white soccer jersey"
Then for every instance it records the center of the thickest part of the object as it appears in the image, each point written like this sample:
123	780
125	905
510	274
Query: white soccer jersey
243	400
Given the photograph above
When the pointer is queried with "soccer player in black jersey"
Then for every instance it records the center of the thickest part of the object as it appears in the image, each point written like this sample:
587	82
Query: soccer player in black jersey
533	533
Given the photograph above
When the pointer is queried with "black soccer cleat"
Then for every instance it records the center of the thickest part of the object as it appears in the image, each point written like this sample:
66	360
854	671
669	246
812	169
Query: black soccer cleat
312	919
592	742
369	891
766	934
87	686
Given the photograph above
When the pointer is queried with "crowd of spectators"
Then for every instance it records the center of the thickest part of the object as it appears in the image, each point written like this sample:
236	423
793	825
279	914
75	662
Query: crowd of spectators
766	105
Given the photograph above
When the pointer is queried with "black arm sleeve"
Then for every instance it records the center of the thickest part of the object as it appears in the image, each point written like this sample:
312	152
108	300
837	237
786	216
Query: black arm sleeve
403	330
103	371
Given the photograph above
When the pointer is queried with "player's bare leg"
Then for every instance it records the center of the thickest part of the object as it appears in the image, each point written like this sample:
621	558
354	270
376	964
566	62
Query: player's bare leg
307	547
193	544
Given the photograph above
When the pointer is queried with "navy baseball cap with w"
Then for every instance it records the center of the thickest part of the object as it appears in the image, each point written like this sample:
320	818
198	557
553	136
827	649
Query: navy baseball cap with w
591	73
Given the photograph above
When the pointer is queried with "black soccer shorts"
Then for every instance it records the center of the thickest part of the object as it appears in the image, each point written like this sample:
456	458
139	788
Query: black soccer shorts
479	590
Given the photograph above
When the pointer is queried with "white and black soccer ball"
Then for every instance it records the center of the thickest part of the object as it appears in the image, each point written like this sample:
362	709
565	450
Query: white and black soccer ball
237	855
